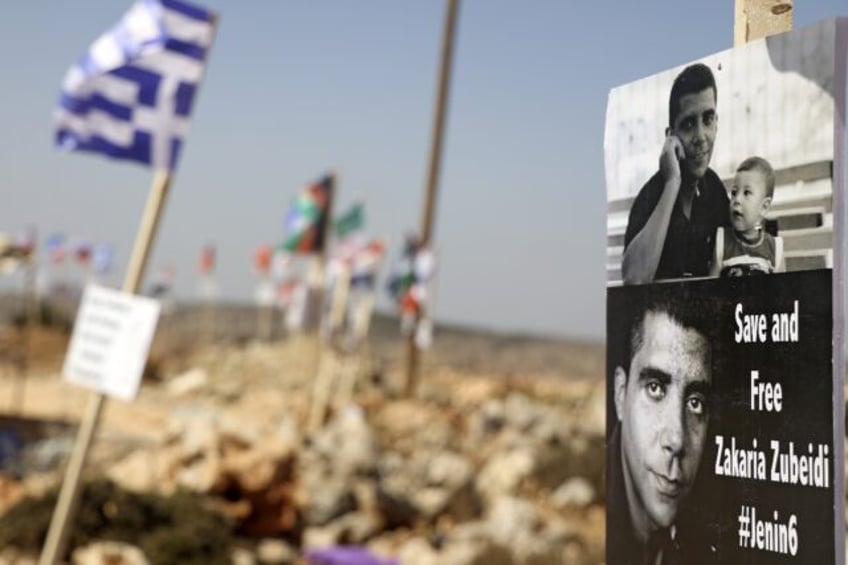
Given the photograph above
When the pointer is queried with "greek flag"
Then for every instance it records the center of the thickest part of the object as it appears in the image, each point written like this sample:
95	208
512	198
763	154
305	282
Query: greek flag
131	94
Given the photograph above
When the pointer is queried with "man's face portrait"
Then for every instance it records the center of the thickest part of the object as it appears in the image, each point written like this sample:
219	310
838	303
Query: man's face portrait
662	404
695	125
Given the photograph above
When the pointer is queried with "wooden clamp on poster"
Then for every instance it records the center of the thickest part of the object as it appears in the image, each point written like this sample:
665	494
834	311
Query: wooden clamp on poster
754	19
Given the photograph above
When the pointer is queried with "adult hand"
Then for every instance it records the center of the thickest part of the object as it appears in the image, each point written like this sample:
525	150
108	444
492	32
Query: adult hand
672	153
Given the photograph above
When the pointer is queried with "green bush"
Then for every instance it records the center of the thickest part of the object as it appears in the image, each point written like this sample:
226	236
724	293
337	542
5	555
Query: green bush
180	529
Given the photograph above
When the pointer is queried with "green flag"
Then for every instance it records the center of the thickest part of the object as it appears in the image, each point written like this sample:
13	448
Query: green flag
350	221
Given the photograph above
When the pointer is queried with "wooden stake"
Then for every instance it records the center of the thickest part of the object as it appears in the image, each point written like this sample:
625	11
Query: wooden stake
264	320
69	495
321	393
754	19
428	216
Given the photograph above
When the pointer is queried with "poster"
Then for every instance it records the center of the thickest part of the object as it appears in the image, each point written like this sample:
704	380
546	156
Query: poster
725	363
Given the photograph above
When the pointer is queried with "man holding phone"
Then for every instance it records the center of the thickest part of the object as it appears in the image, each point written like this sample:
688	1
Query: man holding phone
674	217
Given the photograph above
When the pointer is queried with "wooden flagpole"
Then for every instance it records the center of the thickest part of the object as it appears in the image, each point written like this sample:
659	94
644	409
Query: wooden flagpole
69	495
322	373
264	315
754	19
412	361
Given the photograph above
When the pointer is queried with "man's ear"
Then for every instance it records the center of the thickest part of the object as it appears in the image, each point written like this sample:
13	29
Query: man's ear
620	389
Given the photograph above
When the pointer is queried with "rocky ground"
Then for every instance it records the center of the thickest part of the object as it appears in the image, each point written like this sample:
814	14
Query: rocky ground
497	459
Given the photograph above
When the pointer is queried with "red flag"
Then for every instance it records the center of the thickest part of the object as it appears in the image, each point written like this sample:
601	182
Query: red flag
207	260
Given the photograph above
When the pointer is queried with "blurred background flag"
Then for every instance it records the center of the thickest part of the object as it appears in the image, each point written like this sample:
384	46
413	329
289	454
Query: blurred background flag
82	252
130	96
351	221
262	259
307	218
55	247
207	260
102	258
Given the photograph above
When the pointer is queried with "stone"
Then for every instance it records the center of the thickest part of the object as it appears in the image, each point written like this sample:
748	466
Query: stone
326	499
242	556
509	517
449	470
417	551
356	448
574	492
275	551
483	552
520	412
108	553
594	419
505	471
190	382
322	536
136	472
396	507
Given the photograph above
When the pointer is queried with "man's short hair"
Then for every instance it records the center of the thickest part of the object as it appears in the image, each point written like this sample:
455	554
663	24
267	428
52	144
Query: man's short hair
691	80
692	310
762	166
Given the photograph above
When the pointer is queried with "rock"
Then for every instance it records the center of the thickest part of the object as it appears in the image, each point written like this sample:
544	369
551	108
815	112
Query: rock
109	553
509	517
449	470
574	492
431	502
242	556
481	552
11	556
322	536
505	471
471	543
356	449
359	527
417	551
594	418
46	454
520	412
274	511
188	383
396	507
136	472
254	470
326	498
276	551
201	474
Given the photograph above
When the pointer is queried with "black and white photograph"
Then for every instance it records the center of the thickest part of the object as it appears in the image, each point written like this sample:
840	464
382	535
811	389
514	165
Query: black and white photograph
725	421
720	434
724	166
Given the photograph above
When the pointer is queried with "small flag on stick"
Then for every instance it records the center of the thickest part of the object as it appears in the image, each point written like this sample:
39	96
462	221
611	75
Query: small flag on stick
206	265
130	96
351	221
262	259
55	247
307	218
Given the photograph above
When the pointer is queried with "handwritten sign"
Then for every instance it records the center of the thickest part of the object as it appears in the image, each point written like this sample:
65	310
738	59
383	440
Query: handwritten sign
110	341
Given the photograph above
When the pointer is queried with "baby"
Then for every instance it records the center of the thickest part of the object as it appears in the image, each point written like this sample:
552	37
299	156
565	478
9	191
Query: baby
746	248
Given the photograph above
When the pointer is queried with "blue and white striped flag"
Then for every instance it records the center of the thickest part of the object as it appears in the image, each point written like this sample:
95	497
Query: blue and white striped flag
131	94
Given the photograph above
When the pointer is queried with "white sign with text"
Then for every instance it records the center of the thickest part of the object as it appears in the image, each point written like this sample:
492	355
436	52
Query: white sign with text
111	338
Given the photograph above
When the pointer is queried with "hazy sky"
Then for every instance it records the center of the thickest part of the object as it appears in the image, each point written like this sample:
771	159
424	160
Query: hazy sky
294	89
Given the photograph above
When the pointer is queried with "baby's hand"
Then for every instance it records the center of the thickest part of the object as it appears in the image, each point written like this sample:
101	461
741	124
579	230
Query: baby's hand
672	152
